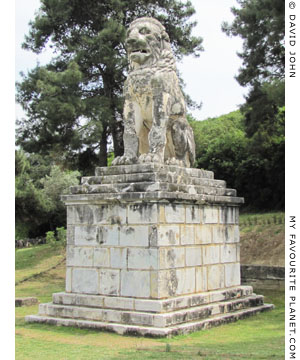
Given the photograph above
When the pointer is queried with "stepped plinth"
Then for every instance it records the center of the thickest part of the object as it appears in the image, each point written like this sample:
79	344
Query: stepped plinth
152	250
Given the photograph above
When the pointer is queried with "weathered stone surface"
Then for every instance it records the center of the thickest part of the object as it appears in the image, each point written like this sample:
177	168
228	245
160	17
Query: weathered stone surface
135	283
150	331
85	280
153	305
27	301
109	282
155	124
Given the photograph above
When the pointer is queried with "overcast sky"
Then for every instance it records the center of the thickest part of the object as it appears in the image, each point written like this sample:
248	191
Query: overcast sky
209	79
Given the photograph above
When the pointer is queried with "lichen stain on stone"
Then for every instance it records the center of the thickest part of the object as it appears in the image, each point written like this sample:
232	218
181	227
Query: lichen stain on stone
193	212
153	236
129	230
114	219
172	283
100	213
85	214
100	236
171	256
171	236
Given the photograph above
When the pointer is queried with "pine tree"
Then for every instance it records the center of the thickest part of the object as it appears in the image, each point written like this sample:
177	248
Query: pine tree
74	104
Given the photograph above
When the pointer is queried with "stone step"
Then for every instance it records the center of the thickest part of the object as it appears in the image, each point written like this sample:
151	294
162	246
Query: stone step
151	305
151	187
149	319
152	177
152	167
126	329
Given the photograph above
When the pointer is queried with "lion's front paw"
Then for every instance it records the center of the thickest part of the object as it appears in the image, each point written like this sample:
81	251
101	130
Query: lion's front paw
174	161
150	158
124	160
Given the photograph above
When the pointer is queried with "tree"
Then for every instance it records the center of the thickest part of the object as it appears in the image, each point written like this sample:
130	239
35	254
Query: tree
253	166
221	145
38	186
260	23
74	104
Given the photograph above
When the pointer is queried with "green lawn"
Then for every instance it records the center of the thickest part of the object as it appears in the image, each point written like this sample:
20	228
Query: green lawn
258	337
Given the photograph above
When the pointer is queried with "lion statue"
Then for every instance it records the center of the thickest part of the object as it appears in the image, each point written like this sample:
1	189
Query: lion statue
155	125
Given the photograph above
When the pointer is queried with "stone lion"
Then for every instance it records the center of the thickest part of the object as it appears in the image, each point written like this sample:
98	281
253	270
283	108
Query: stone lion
155	124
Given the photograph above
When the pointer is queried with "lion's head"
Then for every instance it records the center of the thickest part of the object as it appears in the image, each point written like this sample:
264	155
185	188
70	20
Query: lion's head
148	44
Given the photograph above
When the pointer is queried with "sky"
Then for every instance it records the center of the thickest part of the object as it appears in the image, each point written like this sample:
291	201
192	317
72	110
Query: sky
209	79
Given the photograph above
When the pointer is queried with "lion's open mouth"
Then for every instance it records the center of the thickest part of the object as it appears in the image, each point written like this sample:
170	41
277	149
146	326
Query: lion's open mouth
140	51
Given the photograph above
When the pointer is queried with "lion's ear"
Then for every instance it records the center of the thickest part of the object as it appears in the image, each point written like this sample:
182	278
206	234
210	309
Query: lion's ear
165	36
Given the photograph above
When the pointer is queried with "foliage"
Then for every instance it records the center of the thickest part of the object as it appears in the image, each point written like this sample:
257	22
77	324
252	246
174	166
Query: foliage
59	239
220	145
50	238
254	166
38	186
74	104
261	25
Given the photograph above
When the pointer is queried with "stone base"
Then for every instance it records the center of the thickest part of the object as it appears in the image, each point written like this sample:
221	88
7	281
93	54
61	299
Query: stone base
153	318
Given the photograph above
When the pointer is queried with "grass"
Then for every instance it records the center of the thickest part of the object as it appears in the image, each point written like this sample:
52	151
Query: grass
259	337
31	261
270	218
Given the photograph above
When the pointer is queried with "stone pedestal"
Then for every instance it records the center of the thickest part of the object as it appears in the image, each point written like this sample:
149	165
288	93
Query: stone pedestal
151	250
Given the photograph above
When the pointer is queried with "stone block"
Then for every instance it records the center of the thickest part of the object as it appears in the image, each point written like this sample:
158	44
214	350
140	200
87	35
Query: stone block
134	235
108	235
26	301
79	256
70	215
175	213
143	259
68	279
218	234
116	214
70	235
228	215
211	254
171	257
145	213
228	253
148	305
101	257
187	234
211	215
203	234
85	235
186	281
119	303
167	283
215	277
232	274
236	232
193	215
118	258
85	281
193	256
84	214
135	283
109	282
201	279
167	235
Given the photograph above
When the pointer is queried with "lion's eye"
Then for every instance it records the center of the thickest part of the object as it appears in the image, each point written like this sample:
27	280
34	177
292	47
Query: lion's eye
145	31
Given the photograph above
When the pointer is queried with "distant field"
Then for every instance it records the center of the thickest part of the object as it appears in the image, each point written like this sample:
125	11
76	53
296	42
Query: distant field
259	337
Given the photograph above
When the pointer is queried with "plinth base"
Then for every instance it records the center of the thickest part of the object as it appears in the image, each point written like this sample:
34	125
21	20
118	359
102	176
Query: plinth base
151	318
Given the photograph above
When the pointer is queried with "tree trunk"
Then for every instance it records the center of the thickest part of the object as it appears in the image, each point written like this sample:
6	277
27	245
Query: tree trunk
103	147
117	135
